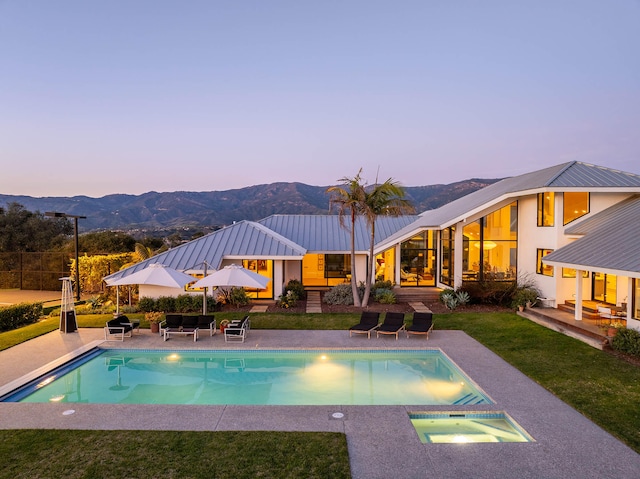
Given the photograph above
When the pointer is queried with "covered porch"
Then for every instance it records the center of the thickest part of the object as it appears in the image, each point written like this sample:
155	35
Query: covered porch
587	330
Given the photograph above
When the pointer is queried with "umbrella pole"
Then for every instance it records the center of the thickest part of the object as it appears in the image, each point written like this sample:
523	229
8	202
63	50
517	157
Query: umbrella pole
117	300
204	302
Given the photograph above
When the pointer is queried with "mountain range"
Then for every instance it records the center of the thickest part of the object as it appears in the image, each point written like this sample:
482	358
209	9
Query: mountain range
155	211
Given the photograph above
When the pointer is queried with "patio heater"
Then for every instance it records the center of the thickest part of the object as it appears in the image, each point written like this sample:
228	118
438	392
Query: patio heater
67	308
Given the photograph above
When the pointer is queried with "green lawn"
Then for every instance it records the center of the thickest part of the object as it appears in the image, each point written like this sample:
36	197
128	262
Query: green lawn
599	385
30	454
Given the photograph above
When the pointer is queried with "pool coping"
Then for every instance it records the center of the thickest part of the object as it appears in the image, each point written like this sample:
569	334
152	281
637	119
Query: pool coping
381	440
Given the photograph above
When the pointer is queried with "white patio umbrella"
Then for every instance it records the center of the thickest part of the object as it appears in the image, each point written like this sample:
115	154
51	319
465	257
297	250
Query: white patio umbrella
155	274
234	275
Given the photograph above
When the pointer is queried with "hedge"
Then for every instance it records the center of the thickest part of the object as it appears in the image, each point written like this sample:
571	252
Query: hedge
18	315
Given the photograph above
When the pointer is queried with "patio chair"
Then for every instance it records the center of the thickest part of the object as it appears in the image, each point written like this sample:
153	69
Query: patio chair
393	323
171	323
369	321
115	330
422	324
237	330
206	322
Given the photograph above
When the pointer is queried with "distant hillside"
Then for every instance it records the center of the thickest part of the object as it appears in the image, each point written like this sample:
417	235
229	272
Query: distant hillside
158	211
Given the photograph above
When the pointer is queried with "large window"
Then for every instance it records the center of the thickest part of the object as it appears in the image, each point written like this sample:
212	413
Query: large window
337	265
490	246
447	247
418	260
325	270
605	287
546	209
265	268
575	205
541	267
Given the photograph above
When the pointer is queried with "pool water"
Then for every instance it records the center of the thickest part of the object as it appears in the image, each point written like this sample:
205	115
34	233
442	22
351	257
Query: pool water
252	377
460	427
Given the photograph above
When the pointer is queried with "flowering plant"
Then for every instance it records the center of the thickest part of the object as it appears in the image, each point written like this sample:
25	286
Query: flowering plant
153	317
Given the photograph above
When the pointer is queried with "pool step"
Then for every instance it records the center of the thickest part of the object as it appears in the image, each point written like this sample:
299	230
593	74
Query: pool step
470	399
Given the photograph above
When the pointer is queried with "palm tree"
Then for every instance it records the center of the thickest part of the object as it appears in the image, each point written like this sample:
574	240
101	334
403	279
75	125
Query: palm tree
383	199
349	199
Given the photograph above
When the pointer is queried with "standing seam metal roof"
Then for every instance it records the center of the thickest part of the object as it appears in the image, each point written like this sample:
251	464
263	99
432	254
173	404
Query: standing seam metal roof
245	238
574	175
320	233
610	241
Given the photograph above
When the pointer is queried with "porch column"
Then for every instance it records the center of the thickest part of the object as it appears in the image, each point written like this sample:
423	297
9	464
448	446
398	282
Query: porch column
578	311
630	297
458	252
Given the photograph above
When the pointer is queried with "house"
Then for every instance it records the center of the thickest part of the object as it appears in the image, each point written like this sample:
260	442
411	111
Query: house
571	227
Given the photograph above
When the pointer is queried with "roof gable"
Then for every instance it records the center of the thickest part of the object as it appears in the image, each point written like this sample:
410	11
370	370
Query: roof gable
242	239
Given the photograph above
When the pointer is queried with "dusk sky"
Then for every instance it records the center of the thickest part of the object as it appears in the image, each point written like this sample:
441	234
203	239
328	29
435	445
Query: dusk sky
131	96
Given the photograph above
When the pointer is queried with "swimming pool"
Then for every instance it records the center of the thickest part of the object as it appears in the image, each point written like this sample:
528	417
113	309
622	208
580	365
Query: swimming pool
257	377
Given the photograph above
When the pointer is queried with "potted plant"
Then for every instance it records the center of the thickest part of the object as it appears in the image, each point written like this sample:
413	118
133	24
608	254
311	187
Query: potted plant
524	297
223	324
154	318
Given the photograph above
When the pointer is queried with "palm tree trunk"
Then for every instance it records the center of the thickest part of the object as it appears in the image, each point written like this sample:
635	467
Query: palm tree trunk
354	284
367	289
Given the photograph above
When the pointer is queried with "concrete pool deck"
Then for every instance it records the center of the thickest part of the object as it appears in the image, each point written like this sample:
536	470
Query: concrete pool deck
382	442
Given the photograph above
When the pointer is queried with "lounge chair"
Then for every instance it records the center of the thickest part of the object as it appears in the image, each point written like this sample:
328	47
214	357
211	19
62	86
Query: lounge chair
119	328
237	330
422	324
408	276
393	323
206	322
369	321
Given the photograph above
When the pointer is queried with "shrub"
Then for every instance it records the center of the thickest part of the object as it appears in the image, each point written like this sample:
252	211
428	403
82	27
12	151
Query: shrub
18	315
339	294
489	292
166	304
385	296
452	299
462	297
287	300
297	288
449	299
188	303
524	295
627	341
146	304
383	285
238	297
